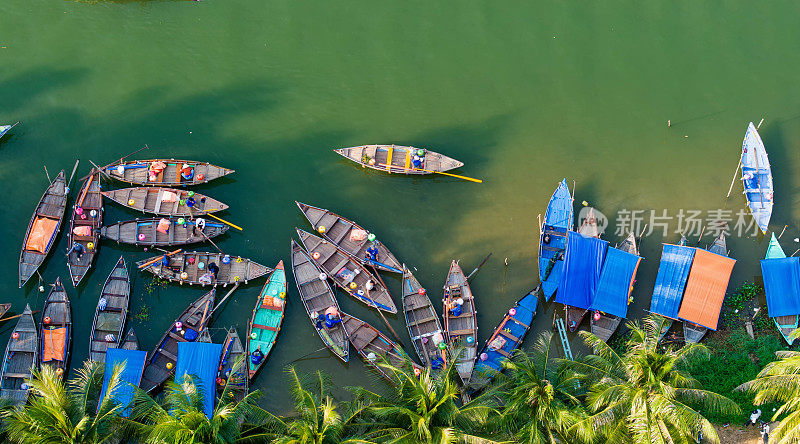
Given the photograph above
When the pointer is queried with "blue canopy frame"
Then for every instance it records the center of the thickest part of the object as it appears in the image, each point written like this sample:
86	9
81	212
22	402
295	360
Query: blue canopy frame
133	362
782	286
201	360
616	280
583	261
673	272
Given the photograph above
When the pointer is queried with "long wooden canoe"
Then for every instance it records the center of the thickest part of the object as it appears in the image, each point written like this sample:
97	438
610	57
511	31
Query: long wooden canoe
347	273
131	342
588	228
462	330
398	159
757	178
375	347
603	325
20	359
693	333
422	321
192	323
87	215
318	299
109	323
4	309
786	324
165	201
137	172
553	238
55	328
345	234
44	225
4	129
235	377
195	265
144	232
265	324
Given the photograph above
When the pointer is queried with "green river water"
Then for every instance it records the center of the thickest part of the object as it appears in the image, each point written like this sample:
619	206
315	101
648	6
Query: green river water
524	93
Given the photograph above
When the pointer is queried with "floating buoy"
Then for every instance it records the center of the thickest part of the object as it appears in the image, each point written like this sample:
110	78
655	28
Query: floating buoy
321	229
442	346
512	312
417	371
15	335
178	325
169	366
421	291
90	245
59	371
484	356
181	202
314	315
181	221
315	255
131	202
420	152
47	320
190	260
323	276
220	381
470	339
226	259
236	278
93	213
585	204
371	237
253	335
360	292
24	386
282	295
141	236
190	193
353	285
201	265
372	357
371	162
78	210
596	316
200	177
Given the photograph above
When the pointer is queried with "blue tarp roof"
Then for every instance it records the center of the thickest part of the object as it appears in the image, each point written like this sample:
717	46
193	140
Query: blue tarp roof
673	271
782	285
619	270
200	359
131	375
583	261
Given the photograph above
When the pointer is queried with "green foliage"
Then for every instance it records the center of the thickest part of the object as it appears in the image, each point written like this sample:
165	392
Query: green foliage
142	312
735	359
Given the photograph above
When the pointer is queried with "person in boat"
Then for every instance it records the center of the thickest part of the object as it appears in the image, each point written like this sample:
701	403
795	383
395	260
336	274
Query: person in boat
78	249
190	202
256	356
200	224
437	363
416	161
214	269
455	307
372	253
187	172
165	261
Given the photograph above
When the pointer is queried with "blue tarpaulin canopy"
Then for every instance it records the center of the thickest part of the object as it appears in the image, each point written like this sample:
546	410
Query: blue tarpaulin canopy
673	271
782	285
616	279
131	375
201	360
583	261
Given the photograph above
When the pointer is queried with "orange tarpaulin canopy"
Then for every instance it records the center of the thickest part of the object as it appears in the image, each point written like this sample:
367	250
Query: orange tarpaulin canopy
41	233
705	288
53	344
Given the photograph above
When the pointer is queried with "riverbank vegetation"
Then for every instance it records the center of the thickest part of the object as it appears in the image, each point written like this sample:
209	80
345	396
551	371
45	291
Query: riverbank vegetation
638	391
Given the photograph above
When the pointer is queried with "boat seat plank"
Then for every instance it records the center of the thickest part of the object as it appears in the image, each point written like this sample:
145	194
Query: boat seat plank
518	321
466	331
167	354
548	248
508	335
17	375
502	352
264	327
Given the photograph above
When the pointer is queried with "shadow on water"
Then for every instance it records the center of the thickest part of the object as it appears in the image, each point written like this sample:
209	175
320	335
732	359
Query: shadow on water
36	83
782	166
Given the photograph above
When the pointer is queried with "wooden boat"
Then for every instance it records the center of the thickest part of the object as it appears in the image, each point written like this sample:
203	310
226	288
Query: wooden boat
131	342
138	172
666	322
350	238
84	229
165	201
375	347
191	267
422	321
588	228
553	238
398	159
109	321
55	329
4	129
347	273
4	309
603	325
234	376
507	337
144	232
265	324
318	299
757	178
785	324
43	228
20	359
462	329
693	333
188	327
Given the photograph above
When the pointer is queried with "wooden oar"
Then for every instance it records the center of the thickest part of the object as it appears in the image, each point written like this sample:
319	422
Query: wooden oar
120	160
306	355
225	222
398	169
153	261
75	168
380	312
235	286
479	266
16	316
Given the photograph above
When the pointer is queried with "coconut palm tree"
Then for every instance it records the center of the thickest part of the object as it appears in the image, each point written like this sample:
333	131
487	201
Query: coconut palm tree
645	395
68	413
779	382
180	417
424	409
318	419
539	397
